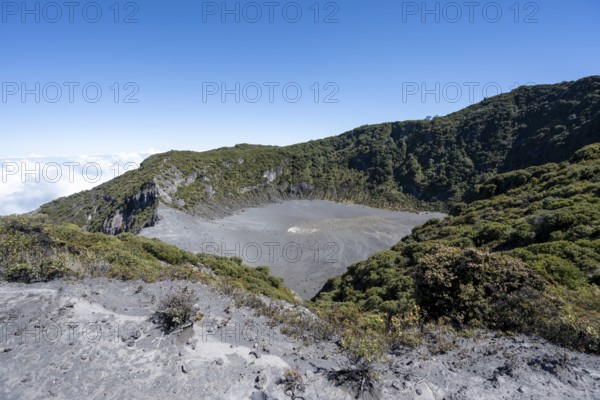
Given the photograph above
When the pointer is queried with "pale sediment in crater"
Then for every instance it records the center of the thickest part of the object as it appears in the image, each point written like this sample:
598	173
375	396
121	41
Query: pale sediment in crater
305	242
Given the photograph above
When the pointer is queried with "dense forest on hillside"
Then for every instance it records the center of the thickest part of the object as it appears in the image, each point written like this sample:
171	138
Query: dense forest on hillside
524	256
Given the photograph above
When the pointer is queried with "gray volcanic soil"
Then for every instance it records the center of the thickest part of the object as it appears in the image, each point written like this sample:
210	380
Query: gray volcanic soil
94	340
304	242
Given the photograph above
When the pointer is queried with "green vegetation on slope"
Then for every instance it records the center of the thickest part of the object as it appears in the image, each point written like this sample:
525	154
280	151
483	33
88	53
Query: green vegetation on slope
34	250
401	165
523	255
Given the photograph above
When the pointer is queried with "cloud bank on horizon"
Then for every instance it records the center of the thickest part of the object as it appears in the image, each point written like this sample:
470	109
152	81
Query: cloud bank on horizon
26	183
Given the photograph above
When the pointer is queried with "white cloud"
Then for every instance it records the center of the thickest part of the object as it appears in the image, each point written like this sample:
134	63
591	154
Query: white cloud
27	183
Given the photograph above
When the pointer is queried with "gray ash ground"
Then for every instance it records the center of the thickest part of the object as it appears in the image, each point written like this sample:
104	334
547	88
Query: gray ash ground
305	242
94	339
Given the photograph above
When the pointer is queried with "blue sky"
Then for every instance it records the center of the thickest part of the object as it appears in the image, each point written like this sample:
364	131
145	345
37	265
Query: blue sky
174	50
369	61
175	47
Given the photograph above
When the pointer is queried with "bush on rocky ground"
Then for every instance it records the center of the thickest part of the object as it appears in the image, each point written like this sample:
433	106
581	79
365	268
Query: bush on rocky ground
177	309
293	384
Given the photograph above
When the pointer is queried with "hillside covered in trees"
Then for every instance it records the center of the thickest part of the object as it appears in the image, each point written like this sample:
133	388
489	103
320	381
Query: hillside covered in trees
523	256
426	164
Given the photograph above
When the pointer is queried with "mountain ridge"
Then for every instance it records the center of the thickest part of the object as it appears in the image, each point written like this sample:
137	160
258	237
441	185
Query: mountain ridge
411	165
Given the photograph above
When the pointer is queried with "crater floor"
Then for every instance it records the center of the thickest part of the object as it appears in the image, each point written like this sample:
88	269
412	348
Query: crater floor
305	242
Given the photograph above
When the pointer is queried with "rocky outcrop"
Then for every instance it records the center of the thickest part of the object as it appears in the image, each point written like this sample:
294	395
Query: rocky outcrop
124	218
272	174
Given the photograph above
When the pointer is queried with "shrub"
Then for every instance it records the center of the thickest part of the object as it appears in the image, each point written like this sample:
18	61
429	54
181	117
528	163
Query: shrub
44	271
405	329
19	273
364	342
363	353
163	251
471	286
293	384
491	232
53	269
177	309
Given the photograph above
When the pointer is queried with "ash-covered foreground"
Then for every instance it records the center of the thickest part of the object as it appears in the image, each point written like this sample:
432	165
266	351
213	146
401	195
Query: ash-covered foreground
302	241
94	340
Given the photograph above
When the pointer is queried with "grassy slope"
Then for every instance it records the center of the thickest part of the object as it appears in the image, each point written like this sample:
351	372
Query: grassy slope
34	250
401	165
524	255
